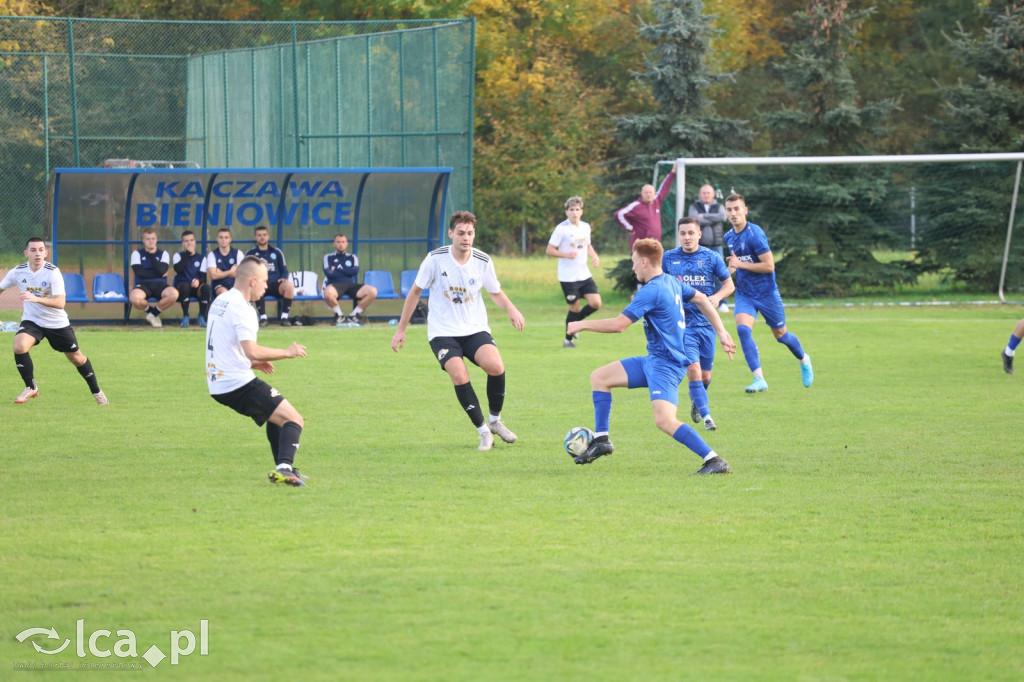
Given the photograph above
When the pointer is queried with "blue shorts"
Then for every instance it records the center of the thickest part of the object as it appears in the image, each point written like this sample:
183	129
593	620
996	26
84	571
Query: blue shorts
661	377
699	342
769	306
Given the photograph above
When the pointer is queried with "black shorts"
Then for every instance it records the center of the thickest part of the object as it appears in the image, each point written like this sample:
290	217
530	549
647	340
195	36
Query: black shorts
257	399
273	289
186	291
574	291
349	289
447	347
152	289
62	339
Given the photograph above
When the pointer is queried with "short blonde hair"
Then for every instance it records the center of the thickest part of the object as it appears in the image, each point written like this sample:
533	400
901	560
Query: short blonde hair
573	201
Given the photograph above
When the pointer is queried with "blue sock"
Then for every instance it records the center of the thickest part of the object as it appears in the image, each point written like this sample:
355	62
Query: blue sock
750	353
1014	342
699	395
691	439
602	410
793	344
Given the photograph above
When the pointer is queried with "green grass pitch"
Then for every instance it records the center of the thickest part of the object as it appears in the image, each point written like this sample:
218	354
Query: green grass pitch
871	530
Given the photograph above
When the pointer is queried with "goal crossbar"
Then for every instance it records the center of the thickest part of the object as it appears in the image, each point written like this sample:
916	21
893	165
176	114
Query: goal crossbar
865	159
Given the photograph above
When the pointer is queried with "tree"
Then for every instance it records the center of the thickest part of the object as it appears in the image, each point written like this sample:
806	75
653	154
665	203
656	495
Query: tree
965	219
825	249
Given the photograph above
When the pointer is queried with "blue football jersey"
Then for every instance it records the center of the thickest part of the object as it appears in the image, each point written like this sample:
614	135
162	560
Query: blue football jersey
703	270
660	303
748	245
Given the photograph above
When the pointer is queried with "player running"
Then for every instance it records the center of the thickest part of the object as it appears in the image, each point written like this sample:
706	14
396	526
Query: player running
751	259
704	270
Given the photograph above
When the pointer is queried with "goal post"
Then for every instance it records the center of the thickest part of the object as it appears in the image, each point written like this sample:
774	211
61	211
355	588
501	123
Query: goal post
947	202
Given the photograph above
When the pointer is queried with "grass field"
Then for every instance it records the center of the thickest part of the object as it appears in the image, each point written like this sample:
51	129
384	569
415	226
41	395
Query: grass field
871	530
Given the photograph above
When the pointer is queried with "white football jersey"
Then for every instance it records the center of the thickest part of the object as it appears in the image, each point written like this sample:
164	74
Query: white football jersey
230	320
46	282
569	237
456	304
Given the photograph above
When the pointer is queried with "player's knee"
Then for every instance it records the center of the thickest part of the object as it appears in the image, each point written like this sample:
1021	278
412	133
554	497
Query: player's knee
666	423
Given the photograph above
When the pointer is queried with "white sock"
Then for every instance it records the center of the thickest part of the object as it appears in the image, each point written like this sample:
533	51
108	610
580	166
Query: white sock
759	373
495	417
710	455
1010	351
284	316
337	310
284	467
806	360
357	310
482	429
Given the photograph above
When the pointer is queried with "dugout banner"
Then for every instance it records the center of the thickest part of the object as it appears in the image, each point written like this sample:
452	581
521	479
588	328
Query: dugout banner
392	216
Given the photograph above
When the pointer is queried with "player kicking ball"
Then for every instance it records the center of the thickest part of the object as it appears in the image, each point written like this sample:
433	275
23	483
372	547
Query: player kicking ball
231	356
660	303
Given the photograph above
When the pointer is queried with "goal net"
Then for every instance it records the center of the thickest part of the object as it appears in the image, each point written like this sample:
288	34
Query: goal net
842	226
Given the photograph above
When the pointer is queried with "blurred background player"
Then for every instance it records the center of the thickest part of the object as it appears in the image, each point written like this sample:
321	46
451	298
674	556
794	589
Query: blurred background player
658	302
150	265
222	263
278	284
231	356
43	317
457	327
751	259
1011	347
341	275
570	244
704	270
189	279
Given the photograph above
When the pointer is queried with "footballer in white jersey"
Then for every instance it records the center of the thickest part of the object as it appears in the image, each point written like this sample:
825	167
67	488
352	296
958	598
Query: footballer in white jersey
232	354
43	317
457	329
570	244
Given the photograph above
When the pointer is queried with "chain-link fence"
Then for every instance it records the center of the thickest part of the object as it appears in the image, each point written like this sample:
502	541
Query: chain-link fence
76	92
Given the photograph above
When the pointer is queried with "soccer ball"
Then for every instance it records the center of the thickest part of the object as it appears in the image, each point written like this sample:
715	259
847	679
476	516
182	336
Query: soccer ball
578	440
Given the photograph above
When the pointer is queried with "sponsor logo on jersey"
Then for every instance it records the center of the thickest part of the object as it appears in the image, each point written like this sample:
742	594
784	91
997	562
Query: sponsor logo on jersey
443	352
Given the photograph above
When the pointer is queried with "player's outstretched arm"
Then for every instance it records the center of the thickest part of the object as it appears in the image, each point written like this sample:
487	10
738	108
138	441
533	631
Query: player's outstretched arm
514	316
611	325
257	353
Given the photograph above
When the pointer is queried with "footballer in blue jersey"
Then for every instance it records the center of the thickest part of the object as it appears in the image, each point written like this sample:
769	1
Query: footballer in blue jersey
751	259
278	284
659	303
705	271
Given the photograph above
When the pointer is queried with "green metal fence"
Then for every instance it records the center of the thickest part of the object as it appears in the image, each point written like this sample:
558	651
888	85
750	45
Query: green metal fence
76	92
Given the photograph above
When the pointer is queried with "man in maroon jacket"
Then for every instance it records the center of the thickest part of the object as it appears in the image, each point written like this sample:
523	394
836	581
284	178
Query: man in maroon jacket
642	217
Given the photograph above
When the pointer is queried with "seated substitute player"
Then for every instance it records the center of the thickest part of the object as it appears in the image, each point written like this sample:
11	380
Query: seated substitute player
150	265
278	284
570	244
189	280
659	303
1011	347
43	317
457	324
704	270
222	263
751	259
231	356
341	271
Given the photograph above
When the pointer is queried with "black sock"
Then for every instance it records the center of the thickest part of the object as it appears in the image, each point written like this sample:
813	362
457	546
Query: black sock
90	377
586	312
184	308
274	436
570	317
288	443
496	393
286	306
261	307
152	310
26	369
467	398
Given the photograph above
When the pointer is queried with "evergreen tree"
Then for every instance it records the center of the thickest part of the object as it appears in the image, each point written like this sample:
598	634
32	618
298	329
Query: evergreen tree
964	220
824	221
682	121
